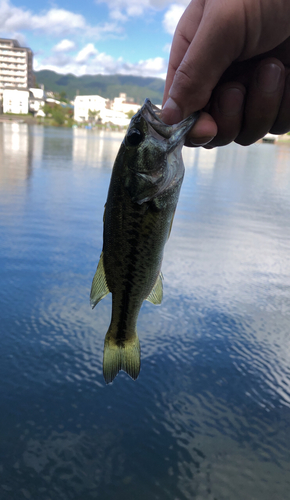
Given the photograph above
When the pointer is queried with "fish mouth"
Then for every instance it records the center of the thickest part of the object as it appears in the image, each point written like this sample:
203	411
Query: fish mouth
173	133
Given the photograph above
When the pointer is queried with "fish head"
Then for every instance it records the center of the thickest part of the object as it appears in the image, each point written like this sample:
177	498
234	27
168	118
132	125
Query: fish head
151	153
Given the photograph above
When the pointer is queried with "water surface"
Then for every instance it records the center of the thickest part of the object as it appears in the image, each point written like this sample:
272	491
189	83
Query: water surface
209	416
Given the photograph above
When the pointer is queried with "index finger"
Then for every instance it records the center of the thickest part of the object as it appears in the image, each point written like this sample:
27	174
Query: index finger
184	33
207	57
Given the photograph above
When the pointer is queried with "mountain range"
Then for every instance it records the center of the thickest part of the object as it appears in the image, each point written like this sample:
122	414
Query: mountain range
108	86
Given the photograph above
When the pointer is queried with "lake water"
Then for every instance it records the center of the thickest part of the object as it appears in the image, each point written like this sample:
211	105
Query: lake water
209	416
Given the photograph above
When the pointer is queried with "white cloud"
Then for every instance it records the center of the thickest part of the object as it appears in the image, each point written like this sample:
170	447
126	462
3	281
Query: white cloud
54	22
117	16
153	67
122	9
64	45
58	21
90	61
172	17
84	54
70	30
20	37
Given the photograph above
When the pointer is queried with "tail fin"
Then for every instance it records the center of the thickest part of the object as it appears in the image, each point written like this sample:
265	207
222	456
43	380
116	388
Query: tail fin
121	355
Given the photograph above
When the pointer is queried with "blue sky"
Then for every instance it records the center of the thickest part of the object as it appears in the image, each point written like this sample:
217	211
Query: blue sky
94	36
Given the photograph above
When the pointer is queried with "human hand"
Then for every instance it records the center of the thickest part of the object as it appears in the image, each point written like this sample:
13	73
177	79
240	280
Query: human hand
233	60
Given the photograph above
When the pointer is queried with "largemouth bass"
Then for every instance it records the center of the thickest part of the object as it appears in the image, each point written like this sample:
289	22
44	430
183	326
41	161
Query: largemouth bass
142	198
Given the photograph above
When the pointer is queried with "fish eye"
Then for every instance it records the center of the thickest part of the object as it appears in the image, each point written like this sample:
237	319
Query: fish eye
134	137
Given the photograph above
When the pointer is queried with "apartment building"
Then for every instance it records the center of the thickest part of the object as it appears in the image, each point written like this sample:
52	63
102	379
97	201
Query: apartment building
83	104
114	111
15	66
124	104
15	101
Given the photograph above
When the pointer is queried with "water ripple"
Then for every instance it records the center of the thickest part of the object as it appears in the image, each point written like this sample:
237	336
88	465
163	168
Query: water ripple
208	417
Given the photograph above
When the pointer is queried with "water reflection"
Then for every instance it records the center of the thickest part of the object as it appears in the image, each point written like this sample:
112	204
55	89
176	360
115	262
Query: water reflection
209	415
16	152
24	147
199	158
95	148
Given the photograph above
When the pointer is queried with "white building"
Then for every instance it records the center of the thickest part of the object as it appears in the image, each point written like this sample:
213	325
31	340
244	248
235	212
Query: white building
116	117
37	100
124	104
15	65
15	101
85	103
107	111
23	101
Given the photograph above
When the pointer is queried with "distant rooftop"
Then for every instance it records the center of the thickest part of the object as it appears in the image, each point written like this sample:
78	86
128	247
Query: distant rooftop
9	42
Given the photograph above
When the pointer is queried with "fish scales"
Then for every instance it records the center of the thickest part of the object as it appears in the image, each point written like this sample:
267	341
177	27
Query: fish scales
142	198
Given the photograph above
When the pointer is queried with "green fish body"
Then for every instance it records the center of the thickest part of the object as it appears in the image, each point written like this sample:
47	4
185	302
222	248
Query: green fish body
142	198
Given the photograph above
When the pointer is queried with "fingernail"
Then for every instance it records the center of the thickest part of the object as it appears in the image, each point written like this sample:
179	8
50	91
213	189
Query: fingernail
231	101
200	141
171	112
268	77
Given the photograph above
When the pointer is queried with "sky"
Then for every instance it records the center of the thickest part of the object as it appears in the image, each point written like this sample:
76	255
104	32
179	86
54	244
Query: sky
129	37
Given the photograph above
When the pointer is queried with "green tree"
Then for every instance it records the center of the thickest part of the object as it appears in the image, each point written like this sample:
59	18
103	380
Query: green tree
58	114
130	114
94	116
63	97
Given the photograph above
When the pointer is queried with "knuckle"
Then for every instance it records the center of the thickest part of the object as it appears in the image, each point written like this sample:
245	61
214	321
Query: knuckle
183	82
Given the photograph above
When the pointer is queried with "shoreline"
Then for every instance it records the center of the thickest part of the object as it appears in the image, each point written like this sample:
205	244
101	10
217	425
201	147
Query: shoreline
31	120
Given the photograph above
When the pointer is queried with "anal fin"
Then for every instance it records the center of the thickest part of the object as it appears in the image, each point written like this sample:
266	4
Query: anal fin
99	288
156	294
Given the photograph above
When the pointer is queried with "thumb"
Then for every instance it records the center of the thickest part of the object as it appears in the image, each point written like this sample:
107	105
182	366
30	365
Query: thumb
217	42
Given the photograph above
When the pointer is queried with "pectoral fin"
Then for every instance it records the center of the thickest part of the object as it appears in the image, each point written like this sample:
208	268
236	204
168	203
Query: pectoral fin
171	223
156	294
99	288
